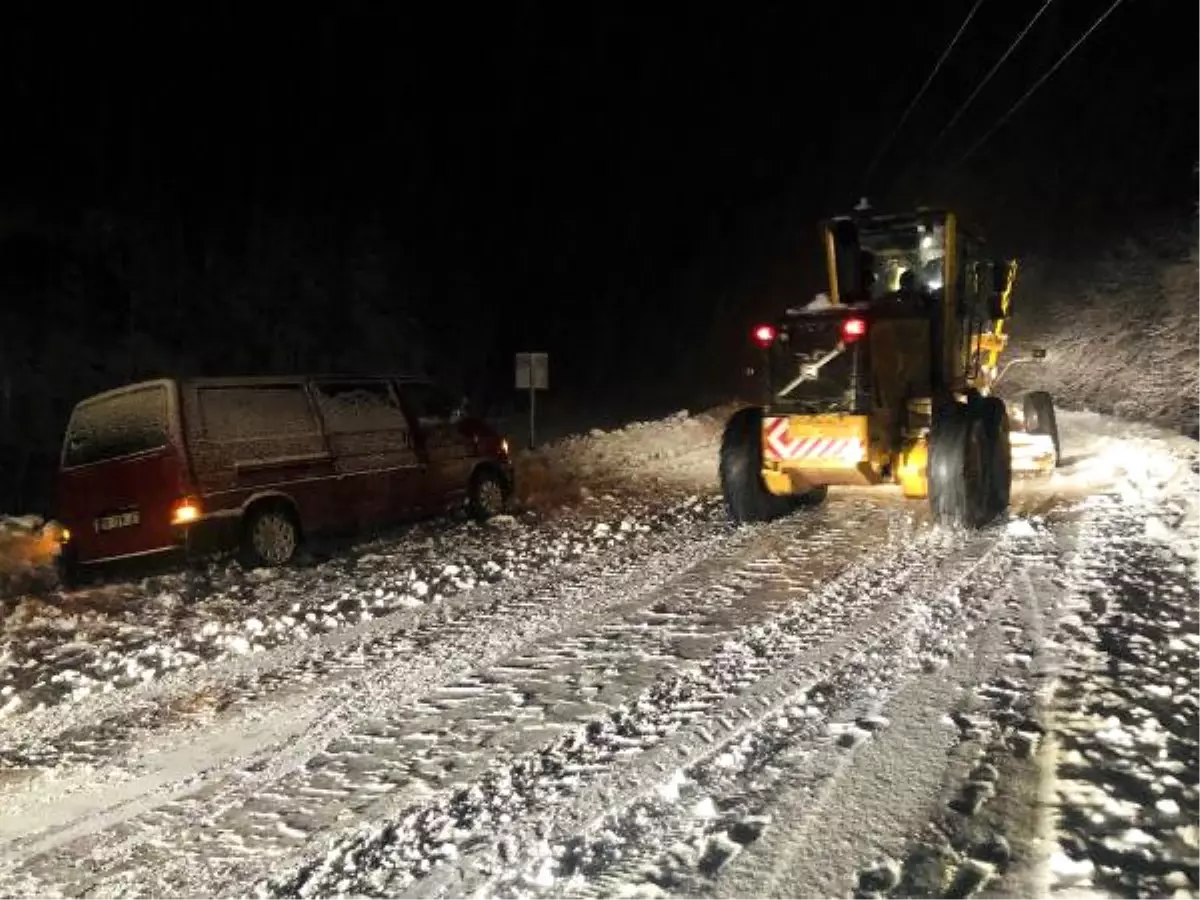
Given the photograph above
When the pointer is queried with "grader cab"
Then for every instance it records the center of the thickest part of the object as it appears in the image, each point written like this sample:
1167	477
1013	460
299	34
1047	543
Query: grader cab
888	379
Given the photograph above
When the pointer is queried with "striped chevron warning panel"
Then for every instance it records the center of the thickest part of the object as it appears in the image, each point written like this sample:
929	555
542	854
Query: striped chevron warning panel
778	443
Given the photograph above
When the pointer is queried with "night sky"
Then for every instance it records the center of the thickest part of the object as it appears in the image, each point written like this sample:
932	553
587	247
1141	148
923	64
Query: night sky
624	186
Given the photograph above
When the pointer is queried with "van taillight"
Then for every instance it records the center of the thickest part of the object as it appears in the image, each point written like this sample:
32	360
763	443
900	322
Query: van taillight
185	510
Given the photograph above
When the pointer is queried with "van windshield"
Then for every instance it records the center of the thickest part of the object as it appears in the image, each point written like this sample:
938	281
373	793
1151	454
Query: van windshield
121	425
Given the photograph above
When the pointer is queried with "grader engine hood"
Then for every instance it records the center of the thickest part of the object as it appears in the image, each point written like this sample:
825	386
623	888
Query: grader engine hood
819	363
836	376
816	423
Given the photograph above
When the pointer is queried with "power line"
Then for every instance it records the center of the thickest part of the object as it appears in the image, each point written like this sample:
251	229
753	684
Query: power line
899	179
912	105
988	77
1037	84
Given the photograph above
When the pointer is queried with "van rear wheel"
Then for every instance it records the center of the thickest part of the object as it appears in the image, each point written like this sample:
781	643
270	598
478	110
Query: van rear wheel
270	537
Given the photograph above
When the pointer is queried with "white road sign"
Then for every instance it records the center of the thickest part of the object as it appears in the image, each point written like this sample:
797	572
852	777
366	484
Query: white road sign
533	371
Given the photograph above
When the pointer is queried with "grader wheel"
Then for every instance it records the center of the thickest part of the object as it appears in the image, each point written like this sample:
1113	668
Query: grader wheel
746	496
960	457
995	420
1040	418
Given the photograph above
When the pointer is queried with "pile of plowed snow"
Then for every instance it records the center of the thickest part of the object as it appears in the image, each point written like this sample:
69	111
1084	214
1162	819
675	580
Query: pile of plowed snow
28	548
678	452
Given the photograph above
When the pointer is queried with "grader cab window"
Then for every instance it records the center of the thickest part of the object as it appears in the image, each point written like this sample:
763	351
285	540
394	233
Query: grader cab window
906	257
885	259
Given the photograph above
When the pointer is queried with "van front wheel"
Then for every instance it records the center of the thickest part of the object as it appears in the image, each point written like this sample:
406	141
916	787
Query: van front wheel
487	495
270	537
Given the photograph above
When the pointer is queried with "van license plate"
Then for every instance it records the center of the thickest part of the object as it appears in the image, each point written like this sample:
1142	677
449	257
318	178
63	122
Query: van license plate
121	520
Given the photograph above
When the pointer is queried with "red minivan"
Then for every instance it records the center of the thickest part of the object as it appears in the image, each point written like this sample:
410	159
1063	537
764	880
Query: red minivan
257	464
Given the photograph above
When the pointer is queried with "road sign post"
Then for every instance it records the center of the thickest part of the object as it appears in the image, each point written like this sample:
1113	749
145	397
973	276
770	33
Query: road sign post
533	375
1195	193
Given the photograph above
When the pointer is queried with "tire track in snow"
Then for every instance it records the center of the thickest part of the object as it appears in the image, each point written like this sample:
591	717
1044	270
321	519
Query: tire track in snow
421	650
52	737
869	655
613	760
541	554
827	826
247	824
600	593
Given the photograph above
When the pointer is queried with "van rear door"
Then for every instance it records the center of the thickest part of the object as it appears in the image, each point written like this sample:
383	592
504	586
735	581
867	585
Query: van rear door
122	470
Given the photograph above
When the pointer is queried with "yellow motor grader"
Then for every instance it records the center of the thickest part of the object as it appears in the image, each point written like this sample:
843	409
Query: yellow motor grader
888	379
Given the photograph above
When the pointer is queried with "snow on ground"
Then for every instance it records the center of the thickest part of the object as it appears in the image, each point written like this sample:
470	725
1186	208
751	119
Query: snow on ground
28	548
1120	331
63	648
1126	707
671	453
616	693
670	836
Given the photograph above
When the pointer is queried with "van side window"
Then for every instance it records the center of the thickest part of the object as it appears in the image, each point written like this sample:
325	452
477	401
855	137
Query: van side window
361	406
129	423
245	413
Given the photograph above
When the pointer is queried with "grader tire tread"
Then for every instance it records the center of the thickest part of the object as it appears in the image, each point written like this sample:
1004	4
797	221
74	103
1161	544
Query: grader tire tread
959	460
747	499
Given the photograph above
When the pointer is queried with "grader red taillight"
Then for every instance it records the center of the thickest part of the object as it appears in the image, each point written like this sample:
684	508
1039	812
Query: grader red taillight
853	329
764	335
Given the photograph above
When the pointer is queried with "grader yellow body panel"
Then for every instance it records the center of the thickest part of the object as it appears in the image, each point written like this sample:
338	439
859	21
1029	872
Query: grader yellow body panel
802	452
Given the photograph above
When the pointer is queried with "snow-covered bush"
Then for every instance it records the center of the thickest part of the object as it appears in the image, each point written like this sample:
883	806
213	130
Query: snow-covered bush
28	548
1122	334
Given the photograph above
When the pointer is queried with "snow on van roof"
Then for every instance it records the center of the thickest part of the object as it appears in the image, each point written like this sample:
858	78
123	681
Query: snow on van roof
124	389
251	381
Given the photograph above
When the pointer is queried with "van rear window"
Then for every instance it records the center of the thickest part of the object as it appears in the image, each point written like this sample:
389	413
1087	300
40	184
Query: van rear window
244	413
117	426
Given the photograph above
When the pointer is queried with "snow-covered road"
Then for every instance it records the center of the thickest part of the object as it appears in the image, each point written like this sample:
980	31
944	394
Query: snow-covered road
628	696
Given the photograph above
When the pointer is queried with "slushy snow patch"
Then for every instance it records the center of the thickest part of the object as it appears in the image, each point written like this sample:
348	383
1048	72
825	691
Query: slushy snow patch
1021	528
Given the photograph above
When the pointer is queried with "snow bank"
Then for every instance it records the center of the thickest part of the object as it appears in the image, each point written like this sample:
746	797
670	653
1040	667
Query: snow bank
28	548
679	451
1153	468
1122	335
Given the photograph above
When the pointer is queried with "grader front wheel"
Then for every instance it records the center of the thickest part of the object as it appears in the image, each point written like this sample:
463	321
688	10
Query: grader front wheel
1040	418
999	481
960	453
